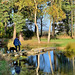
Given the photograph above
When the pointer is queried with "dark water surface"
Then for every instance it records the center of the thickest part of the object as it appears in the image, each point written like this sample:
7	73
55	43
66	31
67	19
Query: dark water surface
51	62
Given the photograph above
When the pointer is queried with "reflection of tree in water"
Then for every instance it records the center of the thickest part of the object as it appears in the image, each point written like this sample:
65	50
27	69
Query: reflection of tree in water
32	60
44	62
64	64
36	65
22	69
50	62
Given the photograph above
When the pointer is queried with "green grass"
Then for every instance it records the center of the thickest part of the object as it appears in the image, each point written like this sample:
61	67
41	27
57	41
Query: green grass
63	42
4	69
32	43
59	42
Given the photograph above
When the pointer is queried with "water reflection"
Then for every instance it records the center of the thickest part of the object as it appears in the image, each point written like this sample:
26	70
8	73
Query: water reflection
51	62
38	64
44	61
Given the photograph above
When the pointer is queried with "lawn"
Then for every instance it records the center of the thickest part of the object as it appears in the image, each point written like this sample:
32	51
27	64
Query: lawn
32	43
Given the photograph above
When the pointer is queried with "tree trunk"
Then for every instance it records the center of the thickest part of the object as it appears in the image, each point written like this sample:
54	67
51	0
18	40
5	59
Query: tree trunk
49	31
53	30
55	61
41	26
20	37
36	22
35	29
5	27
38	64
72	23
14	33
73	65
50	62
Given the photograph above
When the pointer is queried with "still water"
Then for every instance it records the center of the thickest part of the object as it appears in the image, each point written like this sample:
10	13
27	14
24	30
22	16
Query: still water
51	62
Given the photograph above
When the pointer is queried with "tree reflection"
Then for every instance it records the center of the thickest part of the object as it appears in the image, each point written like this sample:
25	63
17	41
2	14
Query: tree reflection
50	62
38	64
55	61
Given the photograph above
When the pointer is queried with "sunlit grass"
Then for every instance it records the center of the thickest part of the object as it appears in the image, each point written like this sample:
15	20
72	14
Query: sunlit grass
33	43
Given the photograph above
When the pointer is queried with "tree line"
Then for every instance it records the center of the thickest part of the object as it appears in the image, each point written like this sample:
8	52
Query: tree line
17	11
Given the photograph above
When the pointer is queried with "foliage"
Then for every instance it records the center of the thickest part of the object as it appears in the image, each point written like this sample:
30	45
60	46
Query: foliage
70	46
9	32
18	20
4	8
55	12
4	16
1	29
28	34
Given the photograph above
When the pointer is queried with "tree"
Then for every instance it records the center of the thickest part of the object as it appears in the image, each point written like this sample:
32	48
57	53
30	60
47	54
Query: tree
19	22
4	16
56	13
68	7
17	18
33	4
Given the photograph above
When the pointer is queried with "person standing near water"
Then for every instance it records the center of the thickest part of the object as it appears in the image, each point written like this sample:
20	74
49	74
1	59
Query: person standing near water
17	43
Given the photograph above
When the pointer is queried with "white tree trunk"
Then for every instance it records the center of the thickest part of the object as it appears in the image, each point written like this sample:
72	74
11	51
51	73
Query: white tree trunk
49	31
36	22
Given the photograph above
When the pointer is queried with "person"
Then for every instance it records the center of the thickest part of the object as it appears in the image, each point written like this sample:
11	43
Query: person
17	43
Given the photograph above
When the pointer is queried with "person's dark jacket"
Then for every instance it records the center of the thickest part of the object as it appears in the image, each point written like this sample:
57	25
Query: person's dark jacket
17	42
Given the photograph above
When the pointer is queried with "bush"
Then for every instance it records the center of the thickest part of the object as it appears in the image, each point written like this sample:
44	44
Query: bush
70	46
28	34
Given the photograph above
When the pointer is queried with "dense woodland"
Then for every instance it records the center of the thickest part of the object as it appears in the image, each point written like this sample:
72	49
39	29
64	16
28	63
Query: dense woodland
17	15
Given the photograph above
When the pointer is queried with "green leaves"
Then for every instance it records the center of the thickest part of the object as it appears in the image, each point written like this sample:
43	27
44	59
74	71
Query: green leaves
4	8
19	21
1	29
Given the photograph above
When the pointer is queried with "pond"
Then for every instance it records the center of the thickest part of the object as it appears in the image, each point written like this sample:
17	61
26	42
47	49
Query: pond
51	62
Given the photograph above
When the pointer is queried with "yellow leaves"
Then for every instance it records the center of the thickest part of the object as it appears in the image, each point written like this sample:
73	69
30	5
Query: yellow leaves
23	3
62	14
56	12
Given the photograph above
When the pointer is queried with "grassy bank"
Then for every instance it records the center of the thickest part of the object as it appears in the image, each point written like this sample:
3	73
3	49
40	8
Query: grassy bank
29	44
4	67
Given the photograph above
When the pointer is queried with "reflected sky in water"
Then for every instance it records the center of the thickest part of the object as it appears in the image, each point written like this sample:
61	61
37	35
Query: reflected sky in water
44	61
61	64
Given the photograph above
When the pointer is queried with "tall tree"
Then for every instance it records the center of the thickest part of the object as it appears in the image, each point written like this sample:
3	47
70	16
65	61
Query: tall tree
17	18
56	14
19	22
32	4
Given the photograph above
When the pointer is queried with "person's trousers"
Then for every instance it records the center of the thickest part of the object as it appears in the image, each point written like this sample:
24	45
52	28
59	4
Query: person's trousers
16	47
